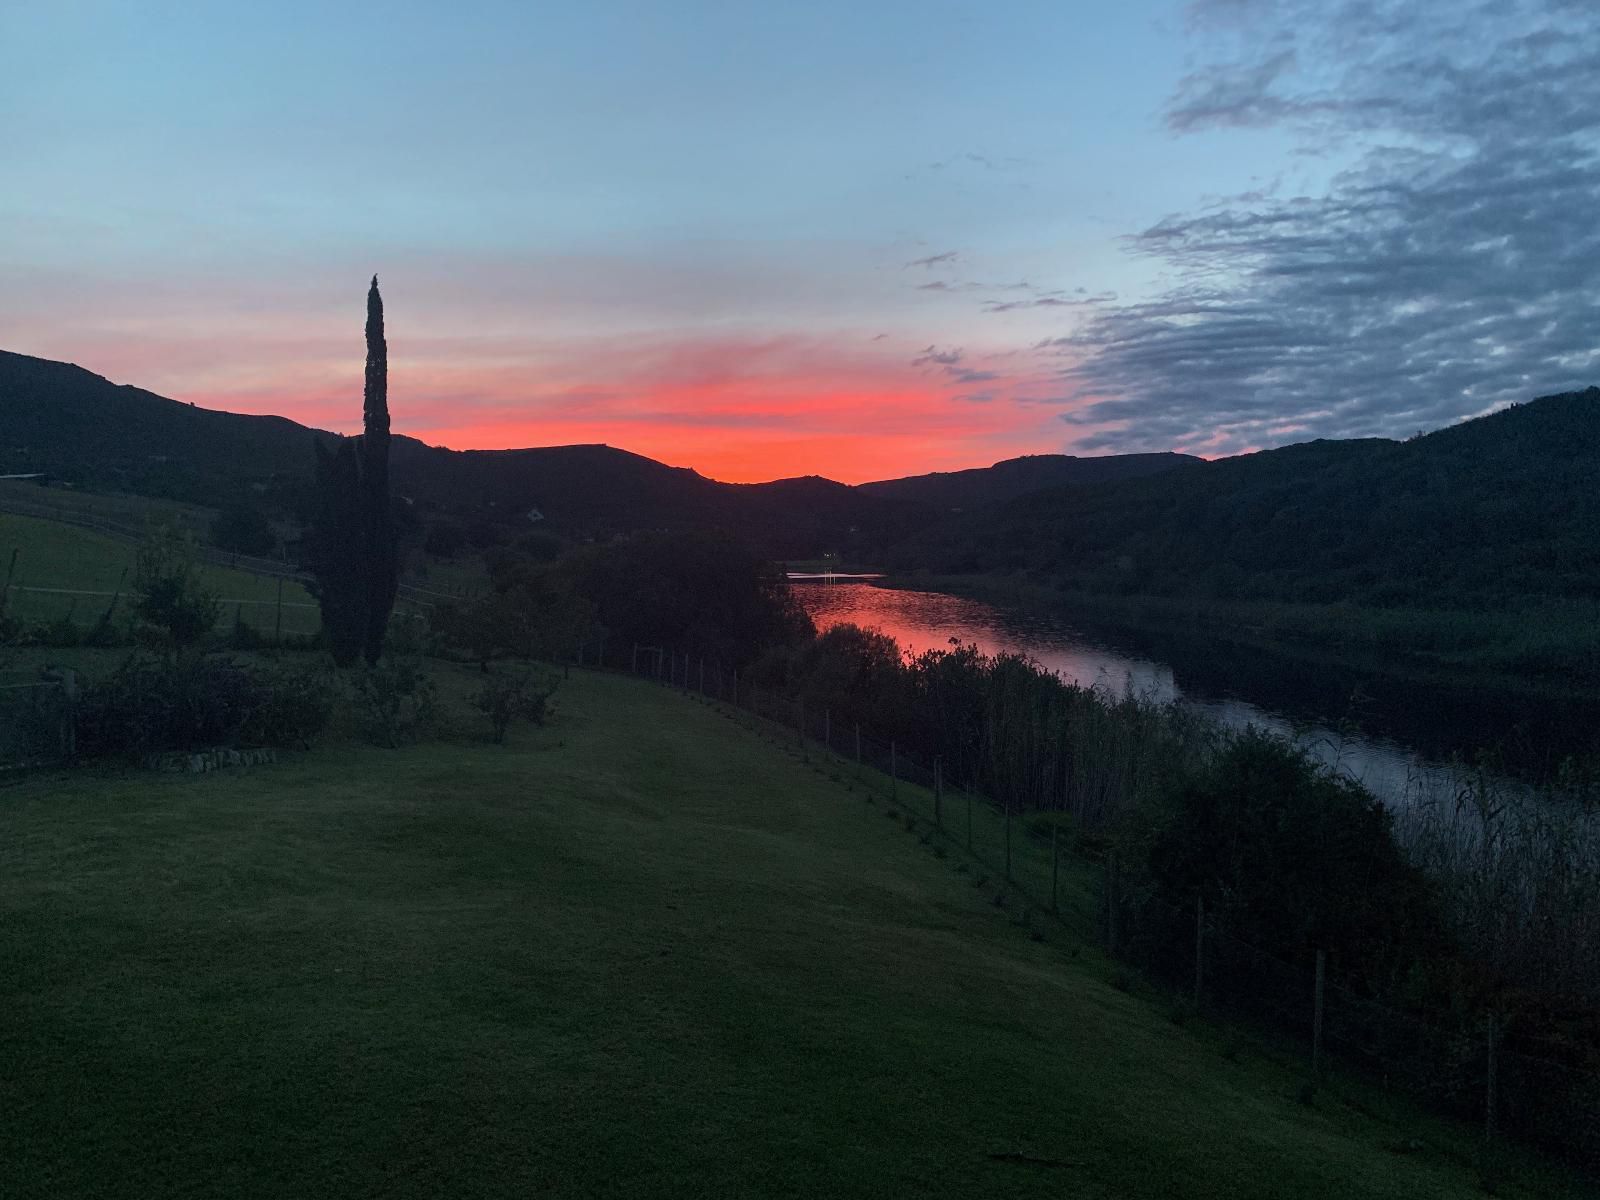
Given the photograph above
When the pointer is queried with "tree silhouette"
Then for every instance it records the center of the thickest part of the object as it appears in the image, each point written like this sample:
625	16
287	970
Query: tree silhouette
383	569
351	545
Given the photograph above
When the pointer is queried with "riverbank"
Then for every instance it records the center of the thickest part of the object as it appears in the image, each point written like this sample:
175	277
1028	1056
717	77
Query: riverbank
1413	672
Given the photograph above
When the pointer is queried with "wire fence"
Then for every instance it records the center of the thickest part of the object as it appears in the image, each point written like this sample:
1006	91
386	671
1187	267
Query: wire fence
1466	1065
36	726
268	568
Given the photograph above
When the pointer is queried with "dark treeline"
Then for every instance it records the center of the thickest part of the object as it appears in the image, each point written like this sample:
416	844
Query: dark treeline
705	593
1474	546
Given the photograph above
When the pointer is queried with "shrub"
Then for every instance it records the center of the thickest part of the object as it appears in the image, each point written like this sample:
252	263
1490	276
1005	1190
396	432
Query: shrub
149	706
505	698
397	701
177	608
1292	856
445	539
62	633
244	529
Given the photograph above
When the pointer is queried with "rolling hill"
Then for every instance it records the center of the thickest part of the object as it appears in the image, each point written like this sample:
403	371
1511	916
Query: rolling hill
1505	507
73	425
1019	476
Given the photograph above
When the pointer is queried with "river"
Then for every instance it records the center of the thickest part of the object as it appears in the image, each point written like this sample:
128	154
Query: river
1403	748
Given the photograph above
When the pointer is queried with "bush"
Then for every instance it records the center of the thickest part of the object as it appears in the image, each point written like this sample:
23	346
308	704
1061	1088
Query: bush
445	539
149	706
397	701
1291	856
244	529
505	698
177	608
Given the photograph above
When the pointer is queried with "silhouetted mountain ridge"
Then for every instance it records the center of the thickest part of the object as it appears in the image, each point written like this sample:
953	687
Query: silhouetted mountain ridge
75	425
1473	515
1013	477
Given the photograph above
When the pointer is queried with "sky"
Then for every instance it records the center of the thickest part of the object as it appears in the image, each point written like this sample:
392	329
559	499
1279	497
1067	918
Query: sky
775	239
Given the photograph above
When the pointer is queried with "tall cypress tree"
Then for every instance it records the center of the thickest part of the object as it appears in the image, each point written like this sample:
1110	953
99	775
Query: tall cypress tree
351	543
383	568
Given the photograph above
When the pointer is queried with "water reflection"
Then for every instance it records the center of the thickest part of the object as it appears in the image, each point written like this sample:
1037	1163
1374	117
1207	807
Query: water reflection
1396	772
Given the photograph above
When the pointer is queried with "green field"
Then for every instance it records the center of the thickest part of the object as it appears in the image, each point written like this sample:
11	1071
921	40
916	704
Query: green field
83	568
642	951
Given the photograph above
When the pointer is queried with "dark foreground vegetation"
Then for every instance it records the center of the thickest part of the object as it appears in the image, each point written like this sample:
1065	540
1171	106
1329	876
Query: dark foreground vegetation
1423	919
635	952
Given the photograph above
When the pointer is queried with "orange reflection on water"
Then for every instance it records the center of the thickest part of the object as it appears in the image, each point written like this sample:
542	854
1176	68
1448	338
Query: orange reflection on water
922	621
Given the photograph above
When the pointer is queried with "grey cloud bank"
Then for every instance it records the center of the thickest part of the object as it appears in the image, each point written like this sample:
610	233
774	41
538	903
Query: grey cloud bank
1454	268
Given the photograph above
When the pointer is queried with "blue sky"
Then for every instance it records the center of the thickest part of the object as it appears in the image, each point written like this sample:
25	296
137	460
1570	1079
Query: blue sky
758	239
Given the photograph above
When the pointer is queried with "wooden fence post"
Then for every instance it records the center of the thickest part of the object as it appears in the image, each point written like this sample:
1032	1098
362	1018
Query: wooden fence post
1199	945
278	635
633	668
1490	1096
1316	1017
858	749
938	793
800	721
894	773
1111	903
969	816
827	729
69	731
702	678
1008	840
1055	865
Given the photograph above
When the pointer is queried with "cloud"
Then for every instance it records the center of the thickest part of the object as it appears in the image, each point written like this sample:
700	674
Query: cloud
933	260
1233	94
1452	267
934	356
986	161
1050	300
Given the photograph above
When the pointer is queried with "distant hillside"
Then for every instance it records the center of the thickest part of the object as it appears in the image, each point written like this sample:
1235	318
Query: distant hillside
598	490
73	425
1018	476
1503	507
76	426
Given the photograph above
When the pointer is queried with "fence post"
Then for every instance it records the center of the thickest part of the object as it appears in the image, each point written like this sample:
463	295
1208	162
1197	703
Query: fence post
938	792
69	691
969	817
1008	840
1491	1087
1055	864
894	773
800	721
827	729
1111	903
1199	945
633	668
1316	1017
278	634
702	678
736	687
858	749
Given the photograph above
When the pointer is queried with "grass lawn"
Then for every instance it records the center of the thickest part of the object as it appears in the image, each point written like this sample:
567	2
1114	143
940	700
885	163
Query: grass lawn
71	559
641	951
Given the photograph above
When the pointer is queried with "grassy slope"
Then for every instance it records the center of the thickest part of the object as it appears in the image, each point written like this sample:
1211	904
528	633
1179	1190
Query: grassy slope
54	555
641	951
